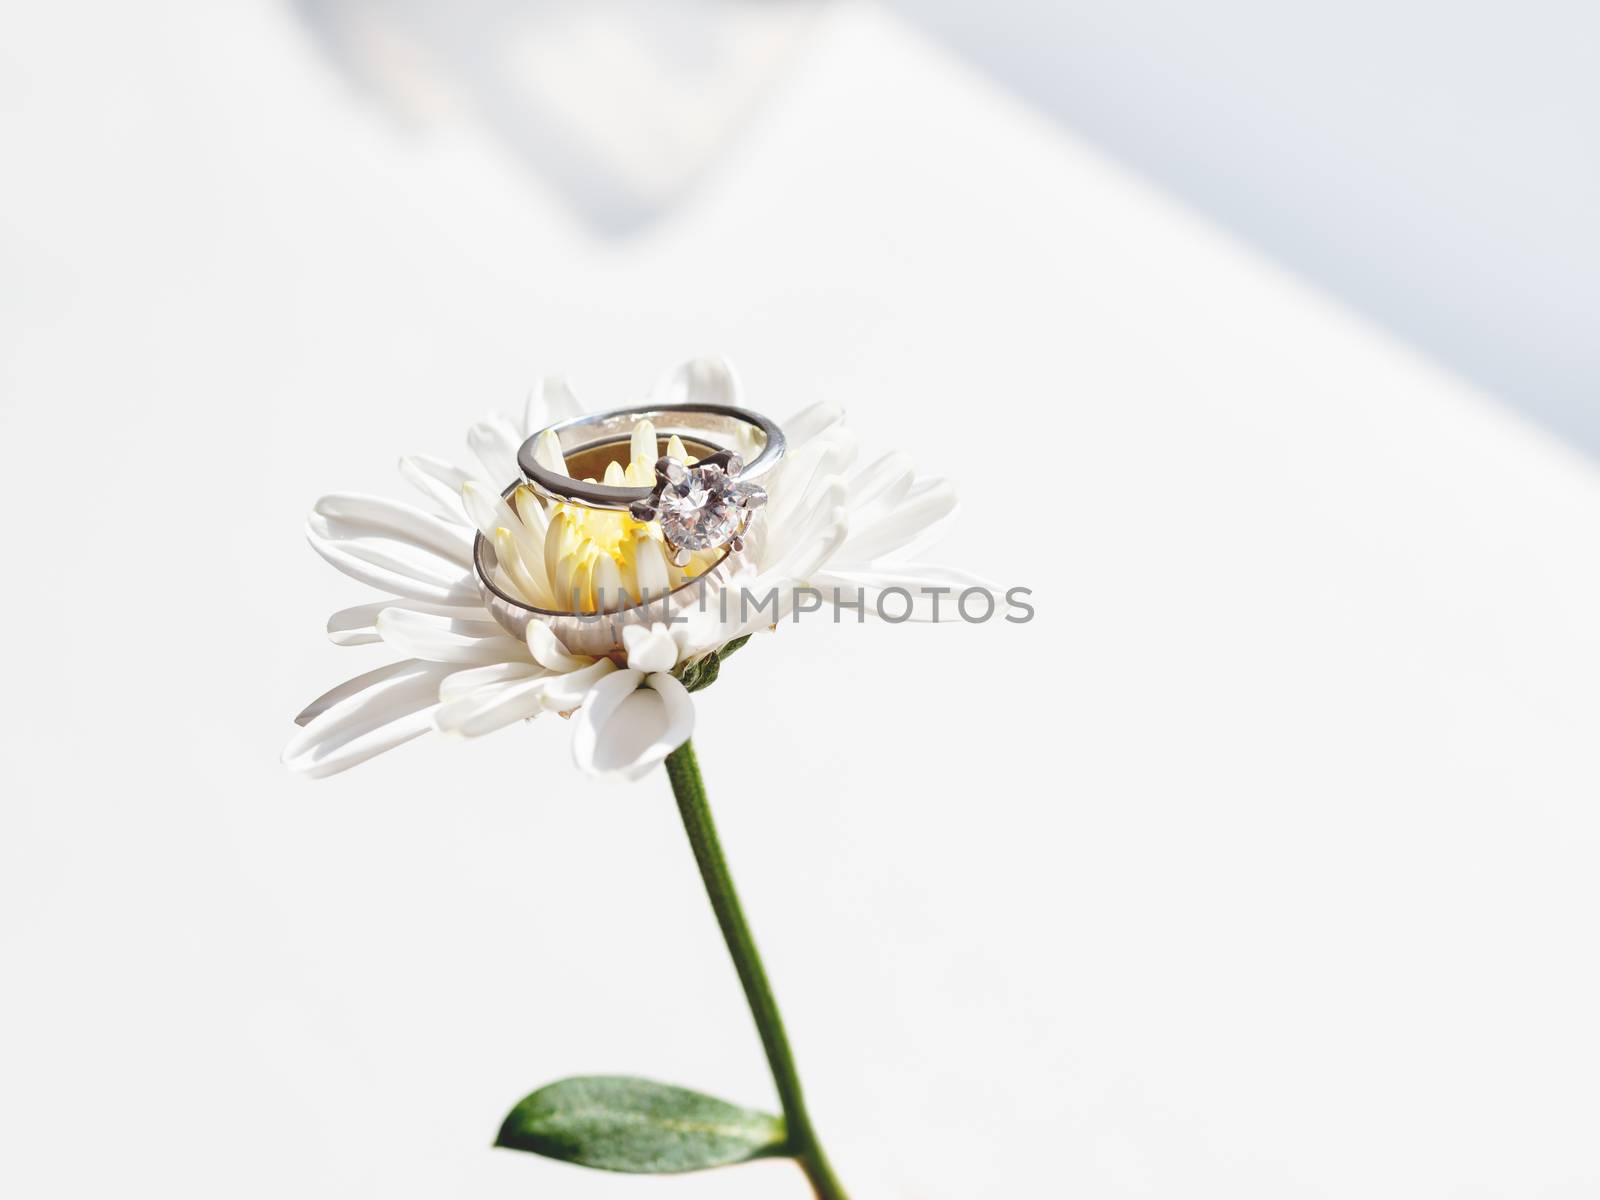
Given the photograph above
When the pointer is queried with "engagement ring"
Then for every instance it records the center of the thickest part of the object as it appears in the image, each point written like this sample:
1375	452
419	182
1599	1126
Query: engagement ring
702	505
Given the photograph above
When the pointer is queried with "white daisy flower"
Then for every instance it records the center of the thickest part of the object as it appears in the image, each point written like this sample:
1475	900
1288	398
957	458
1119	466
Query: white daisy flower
827	525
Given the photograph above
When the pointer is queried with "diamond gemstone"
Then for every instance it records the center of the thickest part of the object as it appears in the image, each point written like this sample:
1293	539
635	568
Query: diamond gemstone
702	510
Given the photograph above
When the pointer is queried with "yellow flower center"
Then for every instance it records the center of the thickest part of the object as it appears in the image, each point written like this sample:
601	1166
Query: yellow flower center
570	558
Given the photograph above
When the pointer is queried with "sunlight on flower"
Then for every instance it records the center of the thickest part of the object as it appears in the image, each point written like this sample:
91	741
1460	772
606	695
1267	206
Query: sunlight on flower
832	526
570	558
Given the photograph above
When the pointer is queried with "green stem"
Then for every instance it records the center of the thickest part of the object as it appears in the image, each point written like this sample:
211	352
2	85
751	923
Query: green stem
690	791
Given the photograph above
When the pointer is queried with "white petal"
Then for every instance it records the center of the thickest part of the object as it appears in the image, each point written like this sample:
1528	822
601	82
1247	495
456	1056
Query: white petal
606	583
603	699
354	626
810	422
487	508
651	578
563	693
923	490
709	380
548	651
554	549
392	556
380	566
642	445
807	560
548	453
903	527
490	708
490	513
439	481
798	568
355	685
532	512
803	473
548	403
804	525
529	581
365	716
627	730
650	650
876	489
917	580
495	441
357	626
346	517
439	639
465	682
709	626
917	575
571	584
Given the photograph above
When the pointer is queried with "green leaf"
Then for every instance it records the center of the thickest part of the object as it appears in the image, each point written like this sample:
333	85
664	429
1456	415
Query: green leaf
702	672
733	646
615	1123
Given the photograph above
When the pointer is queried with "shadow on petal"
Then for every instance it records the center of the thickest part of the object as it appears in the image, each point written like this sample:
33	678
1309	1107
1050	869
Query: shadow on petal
630	735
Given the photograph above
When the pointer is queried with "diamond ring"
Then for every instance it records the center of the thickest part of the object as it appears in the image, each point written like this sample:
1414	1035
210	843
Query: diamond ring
704	505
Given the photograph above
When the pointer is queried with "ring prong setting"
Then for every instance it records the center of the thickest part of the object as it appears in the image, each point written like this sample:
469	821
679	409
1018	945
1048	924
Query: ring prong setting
702	506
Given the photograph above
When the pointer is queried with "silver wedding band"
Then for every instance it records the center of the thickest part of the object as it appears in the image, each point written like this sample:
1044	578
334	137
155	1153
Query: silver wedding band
715	435
722	427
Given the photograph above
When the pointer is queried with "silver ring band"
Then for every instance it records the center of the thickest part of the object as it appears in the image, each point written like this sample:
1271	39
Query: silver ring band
719	425
595	634
705	508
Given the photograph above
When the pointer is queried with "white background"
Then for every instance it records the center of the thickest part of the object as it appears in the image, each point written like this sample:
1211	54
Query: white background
1434	163
1261	864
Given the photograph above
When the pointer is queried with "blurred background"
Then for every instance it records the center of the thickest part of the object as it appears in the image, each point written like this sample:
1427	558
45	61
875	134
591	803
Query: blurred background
1259	865
1433	165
